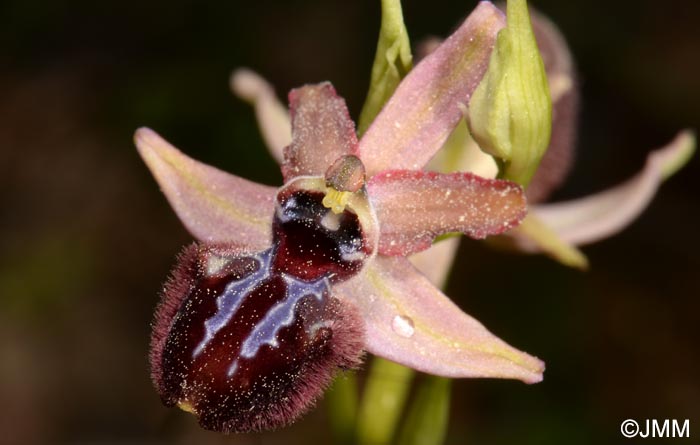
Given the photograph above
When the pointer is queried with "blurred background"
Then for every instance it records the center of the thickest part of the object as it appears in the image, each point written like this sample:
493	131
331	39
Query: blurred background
86	238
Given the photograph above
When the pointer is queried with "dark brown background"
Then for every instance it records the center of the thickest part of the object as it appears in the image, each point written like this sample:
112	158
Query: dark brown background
86	238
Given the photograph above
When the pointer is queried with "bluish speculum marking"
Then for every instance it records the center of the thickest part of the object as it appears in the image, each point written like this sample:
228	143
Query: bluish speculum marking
251	324
230	300
282	314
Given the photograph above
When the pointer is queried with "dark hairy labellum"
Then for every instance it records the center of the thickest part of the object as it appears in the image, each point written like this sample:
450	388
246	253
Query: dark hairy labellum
248	340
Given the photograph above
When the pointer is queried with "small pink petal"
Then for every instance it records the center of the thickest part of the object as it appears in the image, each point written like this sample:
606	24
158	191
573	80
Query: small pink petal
322	131
413	207
272	115
599	216
409	321
425	107
214	206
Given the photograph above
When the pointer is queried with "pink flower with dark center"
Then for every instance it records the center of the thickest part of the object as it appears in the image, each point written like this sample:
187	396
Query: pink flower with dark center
285	286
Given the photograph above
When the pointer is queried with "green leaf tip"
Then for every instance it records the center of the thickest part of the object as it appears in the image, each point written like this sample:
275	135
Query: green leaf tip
510	113
686	146
392	62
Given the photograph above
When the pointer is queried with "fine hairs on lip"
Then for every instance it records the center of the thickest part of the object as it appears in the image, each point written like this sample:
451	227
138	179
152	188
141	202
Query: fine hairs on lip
277	399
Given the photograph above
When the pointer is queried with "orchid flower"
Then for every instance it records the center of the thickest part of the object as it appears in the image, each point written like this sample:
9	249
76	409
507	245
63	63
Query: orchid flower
287	285
375	201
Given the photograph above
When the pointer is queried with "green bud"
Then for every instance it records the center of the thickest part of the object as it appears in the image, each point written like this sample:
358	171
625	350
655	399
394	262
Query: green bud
510	113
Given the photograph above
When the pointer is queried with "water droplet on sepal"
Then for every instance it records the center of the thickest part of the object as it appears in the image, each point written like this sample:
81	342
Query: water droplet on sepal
403	326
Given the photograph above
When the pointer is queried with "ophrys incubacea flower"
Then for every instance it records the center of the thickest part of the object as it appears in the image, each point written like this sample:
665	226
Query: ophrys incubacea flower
289	284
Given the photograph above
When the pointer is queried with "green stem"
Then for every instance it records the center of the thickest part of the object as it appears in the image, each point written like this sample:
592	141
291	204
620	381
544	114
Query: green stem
428	417
343	400
386	390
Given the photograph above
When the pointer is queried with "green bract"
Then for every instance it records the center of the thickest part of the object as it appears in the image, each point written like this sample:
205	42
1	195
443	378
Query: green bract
510	113
391	62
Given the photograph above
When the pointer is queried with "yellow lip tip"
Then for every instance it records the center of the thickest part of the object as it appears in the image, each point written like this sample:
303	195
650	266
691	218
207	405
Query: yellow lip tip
187	407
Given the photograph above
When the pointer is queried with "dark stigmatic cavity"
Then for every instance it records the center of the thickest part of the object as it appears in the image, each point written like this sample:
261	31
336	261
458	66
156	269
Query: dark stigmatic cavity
248	341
